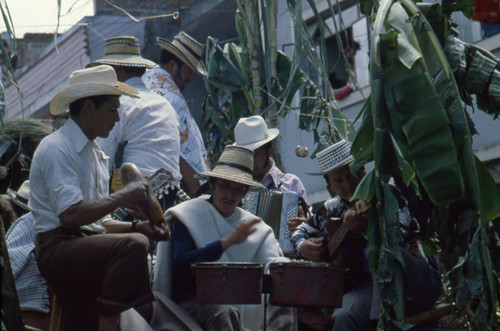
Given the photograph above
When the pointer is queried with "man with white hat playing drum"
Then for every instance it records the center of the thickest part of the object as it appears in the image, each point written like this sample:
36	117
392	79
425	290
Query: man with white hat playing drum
362	301
252	132
96	274
214	229
180	60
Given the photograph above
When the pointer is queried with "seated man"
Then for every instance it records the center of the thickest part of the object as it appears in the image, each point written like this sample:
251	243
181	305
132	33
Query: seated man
96	274
362	301
252	132
30	286
212	228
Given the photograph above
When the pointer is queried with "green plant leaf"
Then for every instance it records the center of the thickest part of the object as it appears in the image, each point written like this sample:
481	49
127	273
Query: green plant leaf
490	196
366	188
222	73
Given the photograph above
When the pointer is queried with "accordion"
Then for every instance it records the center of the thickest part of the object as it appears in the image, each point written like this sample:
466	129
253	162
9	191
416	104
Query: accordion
275	208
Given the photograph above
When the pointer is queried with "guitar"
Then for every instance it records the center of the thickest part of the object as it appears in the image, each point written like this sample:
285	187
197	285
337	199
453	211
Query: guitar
338	233
163	186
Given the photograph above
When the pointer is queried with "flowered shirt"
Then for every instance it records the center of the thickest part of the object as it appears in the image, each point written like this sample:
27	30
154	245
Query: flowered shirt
192	146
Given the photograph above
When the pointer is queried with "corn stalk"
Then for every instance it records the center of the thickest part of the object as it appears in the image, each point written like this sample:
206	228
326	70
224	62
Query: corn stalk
255	78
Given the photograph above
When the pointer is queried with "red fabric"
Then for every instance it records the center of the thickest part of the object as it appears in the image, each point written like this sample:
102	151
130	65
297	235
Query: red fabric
483	10
343	93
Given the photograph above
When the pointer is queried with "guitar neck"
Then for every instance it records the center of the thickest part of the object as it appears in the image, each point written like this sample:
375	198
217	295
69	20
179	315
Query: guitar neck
337	239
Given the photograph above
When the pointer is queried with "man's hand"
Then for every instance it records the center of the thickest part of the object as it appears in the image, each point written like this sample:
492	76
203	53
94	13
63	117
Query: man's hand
154	232
137	214
312	248
239	234
294	222
134	193
357	223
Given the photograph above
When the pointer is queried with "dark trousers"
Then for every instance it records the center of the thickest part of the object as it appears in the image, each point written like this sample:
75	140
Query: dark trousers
94	275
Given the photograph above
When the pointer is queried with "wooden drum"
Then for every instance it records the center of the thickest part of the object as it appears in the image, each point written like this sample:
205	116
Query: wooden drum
306	284
228	283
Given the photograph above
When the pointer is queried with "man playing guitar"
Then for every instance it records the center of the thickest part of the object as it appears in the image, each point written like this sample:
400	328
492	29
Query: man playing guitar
346	243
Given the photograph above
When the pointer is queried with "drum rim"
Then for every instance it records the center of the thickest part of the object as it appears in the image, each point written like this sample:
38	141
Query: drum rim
241	265
311	264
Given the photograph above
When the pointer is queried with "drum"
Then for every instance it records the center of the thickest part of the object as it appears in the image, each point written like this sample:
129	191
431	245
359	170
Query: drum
228	283
306	284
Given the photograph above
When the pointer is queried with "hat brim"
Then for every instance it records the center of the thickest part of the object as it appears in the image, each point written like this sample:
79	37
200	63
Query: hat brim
60	104
231	174
271	135
124	61
187	58
332	168
12	195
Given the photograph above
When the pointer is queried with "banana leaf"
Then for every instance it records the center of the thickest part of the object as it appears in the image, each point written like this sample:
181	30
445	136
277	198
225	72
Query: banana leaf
236	57
490	196
432	149
363	145
479	73
288	82
222	73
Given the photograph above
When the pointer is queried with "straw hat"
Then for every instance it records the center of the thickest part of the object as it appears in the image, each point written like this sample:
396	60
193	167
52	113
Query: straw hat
334	157
187	49
99	80
123	51
252	132
22	195
235	164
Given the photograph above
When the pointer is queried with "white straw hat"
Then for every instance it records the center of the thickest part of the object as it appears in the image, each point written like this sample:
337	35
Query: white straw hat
99	80
334	157
123	51
187	49
252	132
22	195
235	164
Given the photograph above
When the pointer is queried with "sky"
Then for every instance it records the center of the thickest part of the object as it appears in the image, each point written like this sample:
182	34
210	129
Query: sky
41	15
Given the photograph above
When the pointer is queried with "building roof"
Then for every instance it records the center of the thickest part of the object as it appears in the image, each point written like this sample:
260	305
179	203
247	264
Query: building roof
40	81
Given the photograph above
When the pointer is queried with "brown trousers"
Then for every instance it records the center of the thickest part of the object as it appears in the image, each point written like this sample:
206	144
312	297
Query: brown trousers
94	275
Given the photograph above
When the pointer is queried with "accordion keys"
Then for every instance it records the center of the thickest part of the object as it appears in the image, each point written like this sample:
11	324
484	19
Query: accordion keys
275	208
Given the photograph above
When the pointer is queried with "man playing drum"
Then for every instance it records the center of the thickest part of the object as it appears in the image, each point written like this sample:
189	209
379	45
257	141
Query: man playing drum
362	301
214	229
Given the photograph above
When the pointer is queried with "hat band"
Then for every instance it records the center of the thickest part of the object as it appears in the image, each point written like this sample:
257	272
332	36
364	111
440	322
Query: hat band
21	199
237	166
121	53
188	49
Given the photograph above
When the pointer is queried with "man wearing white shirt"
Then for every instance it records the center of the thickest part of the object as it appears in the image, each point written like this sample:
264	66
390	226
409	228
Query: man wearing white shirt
149	125
96	274
180	60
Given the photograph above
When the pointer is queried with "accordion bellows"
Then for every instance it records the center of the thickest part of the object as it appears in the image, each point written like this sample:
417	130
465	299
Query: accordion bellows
275	208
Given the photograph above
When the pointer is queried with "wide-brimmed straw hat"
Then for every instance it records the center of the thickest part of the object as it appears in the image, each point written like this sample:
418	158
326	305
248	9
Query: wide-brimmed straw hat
235	164
252	132
99	80
187	49
22	195
123	51
334	157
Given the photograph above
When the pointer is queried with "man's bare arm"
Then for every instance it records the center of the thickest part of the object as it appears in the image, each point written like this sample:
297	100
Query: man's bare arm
86	211
188	176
